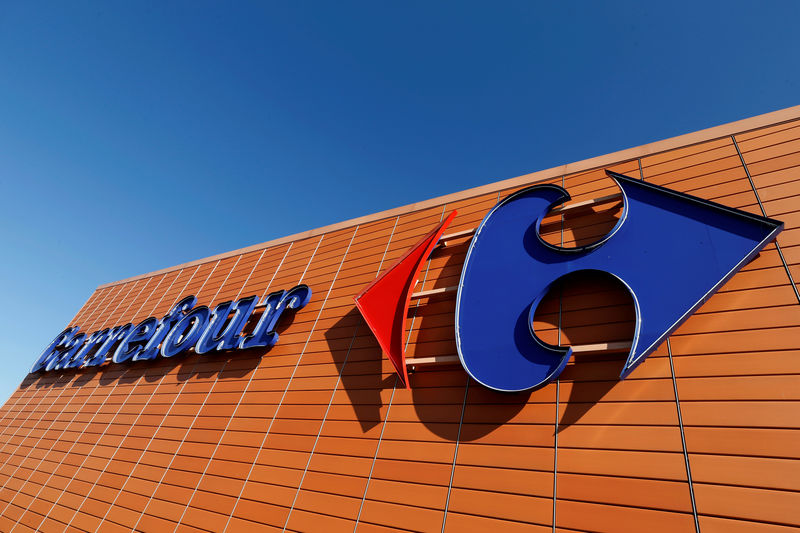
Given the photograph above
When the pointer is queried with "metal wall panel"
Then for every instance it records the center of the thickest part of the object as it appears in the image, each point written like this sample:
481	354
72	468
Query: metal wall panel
315	433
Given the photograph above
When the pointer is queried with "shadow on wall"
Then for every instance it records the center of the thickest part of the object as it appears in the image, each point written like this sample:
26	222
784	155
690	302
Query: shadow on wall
591	308
231	364
595	308
357	357
437	396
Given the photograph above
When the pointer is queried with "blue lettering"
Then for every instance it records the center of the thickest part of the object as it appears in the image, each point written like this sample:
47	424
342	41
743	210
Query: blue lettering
71	347
133	343
215	337
151	349
186	332
53	349
115	335
182	328
95	340
209	338
275	304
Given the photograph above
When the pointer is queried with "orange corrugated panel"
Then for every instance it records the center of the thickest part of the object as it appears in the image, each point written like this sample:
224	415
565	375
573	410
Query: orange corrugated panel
715	524
768	130
313	434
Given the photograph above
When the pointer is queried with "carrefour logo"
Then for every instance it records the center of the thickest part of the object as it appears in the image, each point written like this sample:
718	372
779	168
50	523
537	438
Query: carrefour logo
671	251
184	327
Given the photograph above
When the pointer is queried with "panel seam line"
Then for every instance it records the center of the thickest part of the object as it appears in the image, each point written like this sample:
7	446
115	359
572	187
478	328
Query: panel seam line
683	438
294	370
764	212
335	388
391	399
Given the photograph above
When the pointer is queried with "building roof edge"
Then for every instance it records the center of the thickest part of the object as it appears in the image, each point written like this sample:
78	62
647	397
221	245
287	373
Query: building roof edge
739	126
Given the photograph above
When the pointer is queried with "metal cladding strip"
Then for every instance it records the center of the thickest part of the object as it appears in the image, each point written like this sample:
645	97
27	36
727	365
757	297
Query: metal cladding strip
11	415
108	426
30	413
463	410
10	412
764	212
130	303
102	318
377	448
235	409
51	404
391	400
177	395
335	387
200	360
680	425
308	264
455	455
89	311
74	443
130	427
319	432
255	266
294	370
213	301
152	438
155	307
79	411
139	310
169	410
52	446
95	313
88	304
286	253
683	438
555	445
7	418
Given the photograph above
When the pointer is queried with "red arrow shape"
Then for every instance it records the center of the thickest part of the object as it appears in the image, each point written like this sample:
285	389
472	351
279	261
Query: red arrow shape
384	302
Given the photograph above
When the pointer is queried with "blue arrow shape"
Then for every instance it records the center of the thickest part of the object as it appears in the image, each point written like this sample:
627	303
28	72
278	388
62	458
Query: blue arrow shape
671	250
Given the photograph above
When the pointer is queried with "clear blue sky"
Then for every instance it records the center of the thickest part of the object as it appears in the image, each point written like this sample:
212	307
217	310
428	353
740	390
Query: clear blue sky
122	122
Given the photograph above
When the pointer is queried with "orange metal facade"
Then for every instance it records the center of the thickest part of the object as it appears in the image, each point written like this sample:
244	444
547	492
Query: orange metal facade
315	434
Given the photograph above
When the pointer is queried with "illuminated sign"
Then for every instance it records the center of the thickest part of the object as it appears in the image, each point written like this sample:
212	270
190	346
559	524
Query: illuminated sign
671	251
184	327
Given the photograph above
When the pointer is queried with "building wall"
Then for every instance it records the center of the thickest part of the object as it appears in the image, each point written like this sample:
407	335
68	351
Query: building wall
317	435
